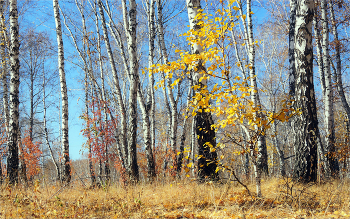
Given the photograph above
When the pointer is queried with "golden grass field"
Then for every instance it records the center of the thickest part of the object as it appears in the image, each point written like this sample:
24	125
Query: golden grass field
282	198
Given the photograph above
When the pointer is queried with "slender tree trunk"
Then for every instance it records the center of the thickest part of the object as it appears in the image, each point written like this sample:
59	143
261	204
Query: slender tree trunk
306	124
168	113
58	177
291	51
150	106
151	49
338	72
4	73
146	108
117	86
1	176
91	166
173	104
12	159
121	147
3	47
152	101
328	97
280	151
262	150
180	157
31	118
22	167
130	25
66	173
207	162
320	62
319	54
193	143
101	92
291	56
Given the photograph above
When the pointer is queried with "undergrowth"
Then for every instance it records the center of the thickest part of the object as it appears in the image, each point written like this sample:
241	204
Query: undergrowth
282	198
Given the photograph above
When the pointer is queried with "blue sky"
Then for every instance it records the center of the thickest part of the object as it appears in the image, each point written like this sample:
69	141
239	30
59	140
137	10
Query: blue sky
40	17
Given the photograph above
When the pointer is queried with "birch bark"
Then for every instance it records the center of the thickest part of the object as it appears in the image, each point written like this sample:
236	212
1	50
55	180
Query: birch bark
12	159
305	125
130	25
206	135
291	51
282	170
173	105
338	72
322	80
151	101
4	73
3	37
121	147
184	131
262	150
328	95
46	134
66	172
116	83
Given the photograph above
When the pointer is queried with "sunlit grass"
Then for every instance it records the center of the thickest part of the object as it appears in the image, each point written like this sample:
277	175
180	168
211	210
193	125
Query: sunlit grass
177	199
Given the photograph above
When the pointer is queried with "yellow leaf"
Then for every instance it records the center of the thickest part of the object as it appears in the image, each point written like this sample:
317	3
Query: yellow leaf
235	8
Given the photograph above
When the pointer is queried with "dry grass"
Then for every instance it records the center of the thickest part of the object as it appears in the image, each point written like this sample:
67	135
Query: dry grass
185	199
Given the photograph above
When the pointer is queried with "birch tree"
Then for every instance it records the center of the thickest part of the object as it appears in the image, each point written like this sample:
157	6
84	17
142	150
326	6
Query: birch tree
146	104
4	69
207	161
46	134
172	107
328	94
291	52
4	73
121	104
66	172
262	150
12	159
338	68
130	25
305	124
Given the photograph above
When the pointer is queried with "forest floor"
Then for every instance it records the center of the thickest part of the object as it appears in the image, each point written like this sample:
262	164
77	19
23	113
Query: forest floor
282	198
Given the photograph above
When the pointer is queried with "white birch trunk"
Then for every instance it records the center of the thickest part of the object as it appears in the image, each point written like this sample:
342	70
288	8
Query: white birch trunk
305	125
4	72
152	35
320	62
12	159
328	95
180	157
291	52
338	72
280	151
46	134
262	150
130	25
173	105
319	54
116	81
193	144
66	172
207	162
